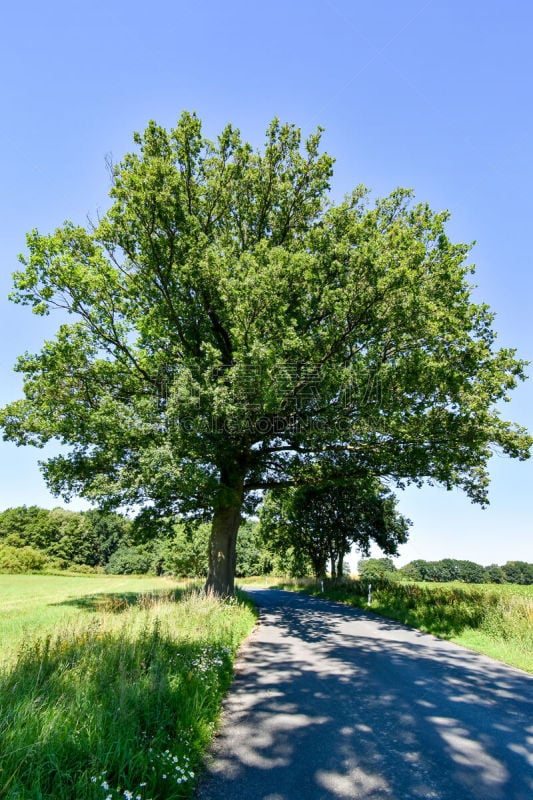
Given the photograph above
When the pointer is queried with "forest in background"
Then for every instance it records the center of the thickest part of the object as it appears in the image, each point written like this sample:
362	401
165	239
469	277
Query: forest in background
34	539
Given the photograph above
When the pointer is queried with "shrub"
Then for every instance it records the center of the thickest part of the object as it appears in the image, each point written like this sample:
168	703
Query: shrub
185	552
22	559
374	569
129	560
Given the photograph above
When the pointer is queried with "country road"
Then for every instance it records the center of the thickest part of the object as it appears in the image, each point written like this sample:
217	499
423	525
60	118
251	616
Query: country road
332	702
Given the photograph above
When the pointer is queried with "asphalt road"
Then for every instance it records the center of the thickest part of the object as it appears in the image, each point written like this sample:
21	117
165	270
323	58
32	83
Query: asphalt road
331	702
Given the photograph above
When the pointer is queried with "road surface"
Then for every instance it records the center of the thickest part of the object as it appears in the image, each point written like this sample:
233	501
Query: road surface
332	702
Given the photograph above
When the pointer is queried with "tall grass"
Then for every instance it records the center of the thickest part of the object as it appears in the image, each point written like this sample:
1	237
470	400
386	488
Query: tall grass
32	605
122	706
495	620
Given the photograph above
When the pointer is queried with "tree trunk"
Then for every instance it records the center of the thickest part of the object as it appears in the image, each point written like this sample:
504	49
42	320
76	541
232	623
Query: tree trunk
319	562
223	552
333	573
340	564
224	529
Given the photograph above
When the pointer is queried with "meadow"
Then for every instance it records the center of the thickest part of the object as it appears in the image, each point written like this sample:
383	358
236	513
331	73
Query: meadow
31	605
494	619
110	685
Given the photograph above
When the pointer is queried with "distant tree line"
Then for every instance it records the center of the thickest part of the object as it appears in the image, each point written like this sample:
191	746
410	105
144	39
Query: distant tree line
64	538
34	539
295	545
447	569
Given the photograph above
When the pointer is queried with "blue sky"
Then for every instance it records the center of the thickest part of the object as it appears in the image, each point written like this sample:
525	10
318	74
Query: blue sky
431	94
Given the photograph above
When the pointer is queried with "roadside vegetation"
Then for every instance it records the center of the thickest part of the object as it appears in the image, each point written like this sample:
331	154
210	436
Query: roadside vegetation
121	698
492	619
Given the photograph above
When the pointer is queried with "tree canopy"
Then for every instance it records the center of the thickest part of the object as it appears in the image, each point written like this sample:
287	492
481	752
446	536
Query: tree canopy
86	537
232	327
376	569
323	522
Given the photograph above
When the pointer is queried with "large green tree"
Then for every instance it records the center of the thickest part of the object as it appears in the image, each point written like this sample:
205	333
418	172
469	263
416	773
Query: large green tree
231	326
323	522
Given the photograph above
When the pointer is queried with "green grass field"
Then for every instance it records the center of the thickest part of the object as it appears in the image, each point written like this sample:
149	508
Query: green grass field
31	605
490	618
111	686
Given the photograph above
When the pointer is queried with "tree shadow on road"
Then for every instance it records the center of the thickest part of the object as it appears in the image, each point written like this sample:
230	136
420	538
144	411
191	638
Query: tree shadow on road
346	705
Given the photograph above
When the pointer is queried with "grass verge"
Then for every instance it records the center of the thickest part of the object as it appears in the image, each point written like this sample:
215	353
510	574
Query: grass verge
494	620
122	705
